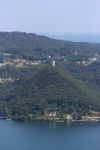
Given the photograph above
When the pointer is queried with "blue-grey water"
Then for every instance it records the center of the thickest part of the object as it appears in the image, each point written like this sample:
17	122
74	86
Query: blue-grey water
46	136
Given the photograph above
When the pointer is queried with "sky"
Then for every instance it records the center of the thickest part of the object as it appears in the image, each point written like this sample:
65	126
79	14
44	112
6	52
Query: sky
72	16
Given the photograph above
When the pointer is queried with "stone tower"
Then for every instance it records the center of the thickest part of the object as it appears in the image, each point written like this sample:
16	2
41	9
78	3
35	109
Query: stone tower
53	63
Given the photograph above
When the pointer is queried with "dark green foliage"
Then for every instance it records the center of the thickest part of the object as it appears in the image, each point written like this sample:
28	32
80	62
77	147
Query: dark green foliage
44	87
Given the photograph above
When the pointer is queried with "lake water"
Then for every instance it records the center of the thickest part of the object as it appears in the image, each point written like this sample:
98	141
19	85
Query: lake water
45	136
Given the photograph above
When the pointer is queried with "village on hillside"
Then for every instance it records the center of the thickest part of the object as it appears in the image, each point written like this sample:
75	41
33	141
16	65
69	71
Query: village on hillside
20	62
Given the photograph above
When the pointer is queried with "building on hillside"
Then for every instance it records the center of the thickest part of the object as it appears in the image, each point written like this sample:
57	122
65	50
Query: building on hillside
68	117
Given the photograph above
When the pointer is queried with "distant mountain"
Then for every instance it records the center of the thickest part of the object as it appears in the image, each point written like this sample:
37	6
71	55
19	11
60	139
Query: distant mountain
31	41
32	45
21	40
92	38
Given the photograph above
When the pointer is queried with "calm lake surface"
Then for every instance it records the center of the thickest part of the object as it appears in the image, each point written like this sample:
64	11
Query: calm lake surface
46	136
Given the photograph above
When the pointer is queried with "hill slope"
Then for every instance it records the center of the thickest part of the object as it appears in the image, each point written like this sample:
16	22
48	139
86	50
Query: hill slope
50	87
9	40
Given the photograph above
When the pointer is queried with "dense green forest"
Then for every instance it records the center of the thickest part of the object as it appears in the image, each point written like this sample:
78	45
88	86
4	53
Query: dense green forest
42	87
72	86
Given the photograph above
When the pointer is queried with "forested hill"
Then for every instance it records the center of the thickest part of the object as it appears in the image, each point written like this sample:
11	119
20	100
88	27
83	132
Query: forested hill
12	41
46	87
9	40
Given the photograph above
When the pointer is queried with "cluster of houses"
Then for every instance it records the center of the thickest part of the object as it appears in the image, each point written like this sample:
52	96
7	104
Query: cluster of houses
55	115
88	62
5	80
20	62
69	117
23	62
93	116
51	114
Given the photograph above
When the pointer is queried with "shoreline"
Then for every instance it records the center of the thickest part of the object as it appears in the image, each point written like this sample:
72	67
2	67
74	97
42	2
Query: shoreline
49	120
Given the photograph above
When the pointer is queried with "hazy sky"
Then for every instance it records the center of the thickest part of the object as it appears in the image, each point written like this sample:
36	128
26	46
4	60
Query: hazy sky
82	16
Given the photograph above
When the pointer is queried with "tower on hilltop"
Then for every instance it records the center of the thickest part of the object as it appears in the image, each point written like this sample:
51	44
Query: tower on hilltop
53	63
